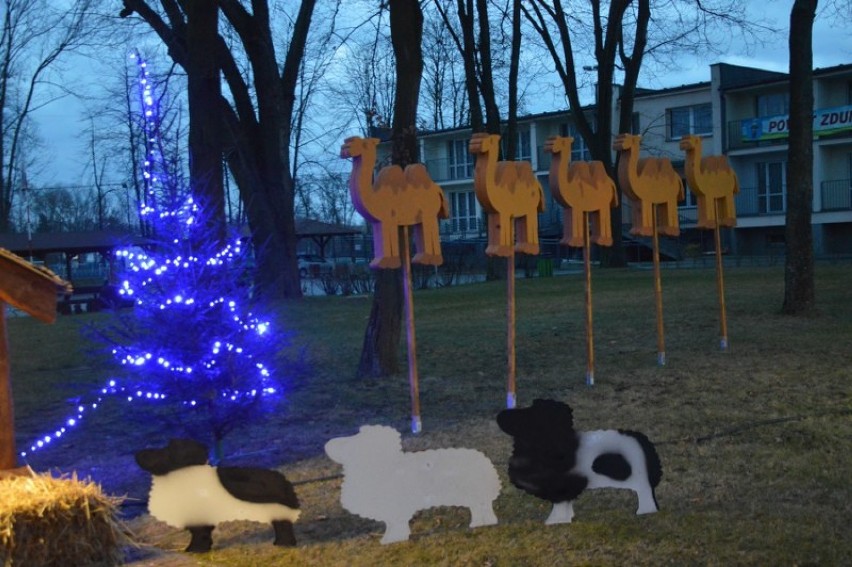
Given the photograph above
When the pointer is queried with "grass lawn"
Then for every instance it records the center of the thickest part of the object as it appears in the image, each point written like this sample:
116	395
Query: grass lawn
756	443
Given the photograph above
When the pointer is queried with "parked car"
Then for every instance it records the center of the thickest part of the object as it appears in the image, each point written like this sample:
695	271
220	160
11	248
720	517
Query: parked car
313	265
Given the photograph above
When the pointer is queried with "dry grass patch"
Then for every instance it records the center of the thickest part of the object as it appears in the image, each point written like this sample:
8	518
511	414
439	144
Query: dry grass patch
49	521
756	443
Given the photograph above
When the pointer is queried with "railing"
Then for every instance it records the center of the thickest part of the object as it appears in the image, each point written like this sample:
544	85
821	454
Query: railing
544	158
836	195
737	140
687	215
461	228
442	169
750	202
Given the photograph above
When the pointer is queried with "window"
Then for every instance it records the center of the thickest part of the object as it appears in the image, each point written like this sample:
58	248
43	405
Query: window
523	150
463	207
771	187
685	120
579	150
689	199
461	160
775	104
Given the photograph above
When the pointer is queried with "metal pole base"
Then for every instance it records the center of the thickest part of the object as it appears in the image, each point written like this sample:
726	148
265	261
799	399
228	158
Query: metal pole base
590	378
416	424
723	343
511	401
661	359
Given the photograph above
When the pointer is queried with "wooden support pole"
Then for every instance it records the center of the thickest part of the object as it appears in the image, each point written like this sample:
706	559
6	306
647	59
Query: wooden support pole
720	280
511	399
413	379
7	413
658	291
590	334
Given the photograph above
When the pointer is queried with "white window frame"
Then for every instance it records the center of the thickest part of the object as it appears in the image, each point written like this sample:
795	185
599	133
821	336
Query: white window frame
460	162
692	123
465	212
771	198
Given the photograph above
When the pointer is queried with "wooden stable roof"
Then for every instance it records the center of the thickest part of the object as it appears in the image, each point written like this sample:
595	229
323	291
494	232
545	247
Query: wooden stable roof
30	288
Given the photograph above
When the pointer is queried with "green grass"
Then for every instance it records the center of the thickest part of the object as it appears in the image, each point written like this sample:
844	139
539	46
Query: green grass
756	443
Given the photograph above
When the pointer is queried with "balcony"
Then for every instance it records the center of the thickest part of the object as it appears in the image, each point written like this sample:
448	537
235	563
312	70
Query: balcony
836	195
461	228
751	202
442	169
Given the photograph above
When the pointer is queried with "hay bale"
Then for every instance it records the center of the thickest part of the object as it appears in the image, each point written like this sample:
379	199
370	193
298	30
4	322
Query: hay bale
57	521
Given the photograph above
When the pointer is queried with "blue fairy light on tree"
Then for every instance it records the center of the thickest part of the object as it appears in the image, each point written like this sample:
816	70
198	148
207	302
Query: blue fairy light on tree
191	340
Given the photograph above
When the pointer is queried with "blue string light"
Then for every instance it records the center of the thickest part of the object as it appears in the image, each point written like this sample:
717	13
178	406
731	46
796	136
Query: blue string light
200	346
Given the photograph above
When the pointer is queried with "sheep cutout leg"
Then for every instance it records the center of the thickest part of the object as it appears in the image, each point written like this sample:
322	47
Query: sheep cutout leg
188	493
381	482
554	462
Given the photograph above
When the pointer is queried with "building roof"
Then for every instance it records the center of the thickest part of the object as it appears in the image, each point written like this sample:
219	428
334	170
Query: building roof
81	242
309	228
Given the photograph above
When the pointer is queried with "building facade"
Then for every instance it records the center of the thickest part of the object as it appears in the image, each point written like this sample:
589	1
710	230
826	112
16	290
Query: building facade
740	112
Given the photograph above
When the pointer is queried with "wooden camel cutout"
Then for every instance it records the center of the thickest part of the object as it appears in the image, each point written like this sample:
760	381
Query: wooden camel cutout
508	191
582	187
396	198
712	181
648	182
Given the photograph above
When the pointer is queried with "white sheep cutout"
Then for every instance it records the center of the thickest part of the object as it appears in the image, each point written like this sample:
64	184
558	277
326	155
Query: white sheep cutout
383	483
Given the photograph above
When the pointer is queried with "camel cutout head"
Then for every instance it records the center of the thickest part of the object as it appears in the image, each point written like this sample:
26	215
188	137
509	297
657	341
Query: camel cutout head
624	142
690	142
559	145
482	143
356	147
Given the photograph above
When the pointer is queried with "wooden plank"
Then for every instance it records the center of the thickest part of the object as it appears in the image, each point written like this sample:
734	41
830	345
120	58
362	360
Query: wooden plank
29	288
7	413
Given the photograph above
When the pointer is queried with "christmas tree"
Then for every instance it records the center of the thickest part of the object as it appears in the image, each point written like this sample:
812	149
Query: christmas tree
191	340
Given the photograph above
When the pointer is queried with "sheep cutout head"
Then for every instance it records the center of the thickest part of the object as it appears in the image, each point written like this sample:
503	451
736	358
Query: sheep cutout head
554	462
381	482
188	493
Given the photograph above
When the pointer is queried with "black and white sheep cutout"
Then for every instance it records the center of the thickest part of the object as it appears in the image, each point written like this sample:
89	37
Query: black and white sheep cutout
188	493
381	482
554	462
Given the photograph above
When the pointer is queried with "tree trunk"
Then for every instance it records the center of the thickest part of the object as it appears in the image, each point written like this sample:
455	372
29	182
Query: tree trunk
799	294
204	91
381	339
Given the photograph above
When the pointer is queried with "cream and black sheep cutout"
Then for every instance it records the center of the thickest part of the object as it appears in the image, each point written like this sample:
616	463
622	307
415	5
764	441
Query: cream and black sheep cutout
188	493
554	462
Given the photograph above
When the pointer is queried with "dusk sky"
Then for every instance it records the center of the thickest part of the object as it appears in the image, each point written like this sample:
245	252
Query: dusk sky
60	123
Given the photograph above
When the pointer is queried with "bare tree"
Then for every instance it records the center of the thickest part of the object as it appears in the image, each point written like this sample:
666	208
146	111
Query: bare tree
256	120
799	292
611	49
34	36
